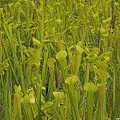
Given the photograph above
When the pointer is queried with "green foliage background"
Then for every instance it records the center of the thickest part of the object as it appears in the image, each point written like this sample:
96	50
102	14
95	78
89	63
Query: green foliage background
59	60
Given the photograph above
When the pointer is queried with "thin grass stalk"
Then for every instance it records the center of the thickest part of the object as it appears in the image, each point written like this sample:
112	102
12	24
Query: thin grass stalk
8	35
71	104
87	73
9	103
18	102
118	50
0	47
52	76
63	20
73	97
39	92
116	109
62	117
86	80
98	114
18	12
27	111
70	3
0	36
41	22
17	107
27	14
11	39
13	12
77	62
50	89
67	107
113	89
6	53
5	98
44	72
41	29
53	18
10	93
21	50
22	78
5	11
102	96
89	105
62	66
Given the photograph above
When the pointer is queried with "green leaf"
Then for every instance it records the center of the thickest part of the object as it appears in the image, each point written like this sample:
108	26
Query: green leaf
96	15
92	57
101	57
79	49
58	95
51	61
60	45
86	50
59	21
102	74
101	84
36	42
102	30
90	86
26	98
32	98
61	55
107	20
73	79
47	106
80	43
43	88
101	64
17	89
80	101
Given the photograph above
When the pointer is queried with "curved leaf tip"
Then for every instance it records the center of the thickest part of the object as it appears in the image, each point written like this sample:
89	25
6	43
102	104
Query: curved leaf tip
90	87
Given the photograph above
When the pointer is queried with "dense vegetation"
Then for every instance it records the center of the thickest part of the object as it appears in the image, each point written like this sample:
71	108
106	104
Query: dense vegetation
59	59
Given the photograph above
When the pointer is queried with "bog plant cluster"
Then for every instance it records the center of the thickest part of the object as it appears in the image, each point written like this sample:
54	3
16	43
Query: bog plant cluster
59	59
